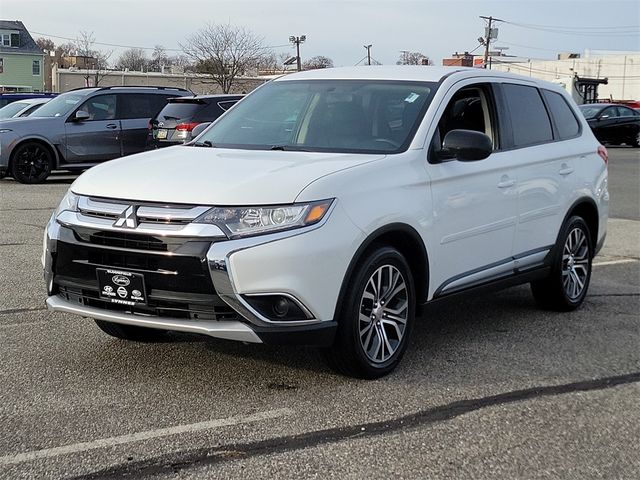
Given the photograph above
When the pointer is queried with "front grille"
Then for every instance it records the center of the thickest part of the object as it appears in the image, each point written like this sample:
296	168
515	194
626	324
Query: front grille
126	240
177	285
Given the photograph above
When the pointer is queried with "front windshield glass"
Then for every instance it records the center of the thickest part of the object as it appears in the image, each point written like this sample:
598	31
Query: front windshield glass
358	116
10	110
62	104
590	111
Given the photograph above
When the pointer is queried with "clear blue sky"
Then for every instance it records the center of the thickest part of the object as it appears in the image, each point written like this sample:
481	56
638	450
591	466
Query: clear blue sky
340	29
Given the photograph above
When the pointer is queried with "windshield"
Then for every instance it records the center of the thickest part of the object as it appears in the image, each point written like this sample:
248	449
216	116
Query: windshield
358	116
590	111
13	108
62	104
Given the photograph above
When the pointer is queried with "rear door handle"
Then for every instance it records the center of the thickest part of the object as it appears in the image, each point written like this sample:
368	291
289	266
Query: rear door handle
506	182
112	126
565	169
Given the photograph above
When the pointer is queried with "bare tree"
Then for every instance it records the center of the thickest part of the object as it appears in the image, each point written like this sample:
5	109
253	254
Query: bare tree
317	62
224	52
413	58
159	58
65	48
46	44
134	59
84	44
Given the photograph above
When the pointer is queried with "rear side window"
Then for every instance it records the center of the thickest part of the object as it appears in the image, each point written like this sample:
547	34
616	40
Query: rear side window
529	119
565	120
140	105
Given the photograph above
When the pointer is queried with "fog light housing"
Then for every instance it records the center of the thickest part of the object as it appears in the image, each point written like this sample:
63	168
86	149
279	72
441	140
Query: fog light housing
279	307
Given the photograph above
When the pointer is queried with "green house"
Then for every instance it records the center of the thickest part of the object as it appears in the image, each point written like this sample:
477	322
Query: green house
21	60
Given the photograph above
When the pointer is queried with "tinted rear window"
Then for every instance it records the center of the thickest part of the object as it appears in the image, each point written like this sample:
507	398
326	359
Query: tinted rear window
136	105
565	120
179	110
529	118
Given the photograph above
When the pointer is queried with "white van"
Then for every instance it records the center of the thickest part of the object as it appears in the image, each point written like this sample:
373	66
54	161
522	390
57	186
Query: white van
328	206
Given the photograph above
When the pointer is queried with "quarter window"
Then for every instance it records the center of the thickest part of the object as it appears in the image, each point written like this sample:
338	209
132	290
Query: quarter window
529	119
35	68
565	120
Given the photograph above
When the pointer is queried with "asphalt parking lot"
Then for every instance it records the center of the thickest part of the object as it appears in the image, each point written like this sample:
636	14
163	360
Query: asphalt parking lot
491	387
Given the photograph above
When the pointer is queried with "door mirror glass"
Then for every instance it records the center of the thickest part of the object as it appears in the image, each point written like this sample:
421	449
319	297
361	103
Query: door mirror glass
467	145
81	116
198	129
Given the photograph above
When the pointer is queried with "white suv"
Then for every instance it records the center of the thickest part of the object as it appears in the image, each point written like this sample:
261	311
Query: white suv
328	206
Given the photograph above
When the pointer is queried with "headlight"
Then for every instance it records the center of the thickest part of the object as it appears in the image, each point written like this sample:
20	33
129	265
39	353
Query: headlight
246	221
69	203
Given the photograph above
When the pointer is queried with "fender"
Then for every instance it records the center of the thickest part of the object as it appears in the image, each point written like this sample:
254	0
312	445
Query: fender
57	157
422	284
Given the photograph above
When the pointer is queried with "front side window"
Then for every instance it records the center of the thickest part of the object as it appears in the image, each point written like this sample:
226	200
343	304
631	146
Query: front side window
355	116
100	107
626	112
36	67
529	119
468	109
611	112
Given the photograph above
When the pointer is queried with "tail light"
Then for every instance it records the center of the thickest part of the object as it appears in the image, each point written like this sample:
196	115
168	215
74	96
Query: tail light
604	155
186	127
150	126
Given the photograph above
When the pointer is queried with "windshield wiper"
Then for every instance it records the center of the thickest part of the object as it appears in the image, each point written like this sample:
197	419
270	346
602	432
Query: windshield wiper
170	117
287	148
206	143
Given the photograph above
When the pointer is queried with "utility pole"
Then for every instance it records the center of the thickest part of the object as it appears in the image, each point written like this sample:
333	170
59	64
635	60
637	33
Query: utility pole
297	41
487	39
368	47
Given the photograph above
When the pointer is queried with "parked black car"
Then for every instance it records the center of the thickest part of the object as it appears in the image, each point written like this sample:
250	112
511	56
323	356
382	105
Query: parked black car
79	129
173	125
613	123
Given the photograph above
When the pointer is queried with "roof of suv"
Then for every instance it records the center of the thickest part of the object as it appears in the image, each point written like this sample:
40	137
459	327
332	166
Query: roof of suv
222	96
128	89
419	73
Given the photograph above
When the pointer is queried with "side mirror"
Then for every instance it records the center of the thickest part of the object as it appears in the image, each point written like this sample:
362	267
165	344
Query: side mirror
467	145
81	116
198	129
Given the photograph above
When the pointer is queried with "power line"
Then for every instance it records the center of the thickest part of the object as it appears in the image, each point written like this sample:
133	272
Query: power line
618	33
135	46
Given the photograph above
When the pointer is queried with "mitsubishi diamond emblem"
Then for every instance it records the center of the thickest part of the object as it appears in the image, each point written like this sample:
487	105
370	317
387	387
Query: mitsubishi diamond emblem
127	219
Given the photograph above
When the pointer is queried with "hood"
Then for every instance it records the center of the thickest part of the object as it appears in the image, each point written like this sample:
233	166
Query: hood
21	121
213	176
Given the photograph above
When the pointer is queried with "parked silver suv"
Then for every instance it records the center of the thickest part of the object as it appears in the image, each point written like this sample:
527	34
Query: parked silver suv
79	129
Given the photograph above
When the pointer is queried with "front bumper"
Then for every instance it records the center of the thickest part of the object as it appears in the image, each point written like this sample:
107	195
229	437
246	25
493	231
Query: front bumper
234	271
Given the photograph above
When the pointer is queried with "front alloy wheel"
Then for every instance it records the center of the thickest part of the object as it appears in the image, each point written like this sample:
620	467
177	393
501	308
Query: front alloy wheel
384	309
31	163
376	315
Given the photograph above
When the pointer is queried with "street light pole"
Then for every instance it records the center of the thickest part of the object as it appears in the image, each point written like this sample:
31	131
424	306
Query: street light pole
297	41
368	47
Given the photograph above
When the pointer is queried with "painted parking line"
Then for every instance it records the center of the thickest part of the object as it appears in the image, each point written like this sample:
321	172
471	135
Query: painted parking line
615	262
141	436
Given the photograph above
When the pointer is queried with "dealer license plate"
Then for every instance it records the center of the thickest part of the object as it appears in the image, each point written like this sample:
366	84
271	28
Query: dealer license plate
122	287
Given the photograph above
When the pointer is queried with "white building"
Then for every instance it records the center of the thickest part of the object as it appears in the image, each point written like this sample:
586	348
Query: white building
622	69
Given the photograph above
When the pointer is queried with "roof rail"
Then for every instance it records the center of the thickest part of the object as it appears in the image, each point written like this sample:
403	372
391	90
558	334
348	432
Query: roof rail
157	87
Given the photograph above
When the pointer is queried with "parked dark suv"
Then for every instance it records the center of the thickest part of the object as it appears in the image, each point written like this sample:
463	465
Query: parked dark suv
79	129
173	125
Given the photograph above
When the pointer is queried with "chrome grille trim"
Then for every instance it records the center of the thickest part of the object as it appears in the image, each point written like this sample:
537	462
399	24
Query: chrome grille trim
152	219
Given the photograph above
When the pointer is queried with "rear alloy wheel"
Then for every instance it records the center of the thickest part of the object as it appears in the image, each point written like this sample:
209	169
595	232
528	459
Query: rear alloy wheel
130	332
379	310
31	163
567	285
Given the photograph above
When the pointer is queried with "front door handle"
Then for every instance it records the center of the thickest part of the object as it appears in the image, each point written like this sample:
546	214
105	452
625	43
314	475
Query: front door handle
506	182
112	126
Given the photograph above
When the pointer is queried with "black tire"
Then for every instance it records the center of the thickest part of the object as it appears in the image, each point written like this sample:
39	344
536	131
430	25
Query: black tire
130	332
31	162
635	141
349	355
566	287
